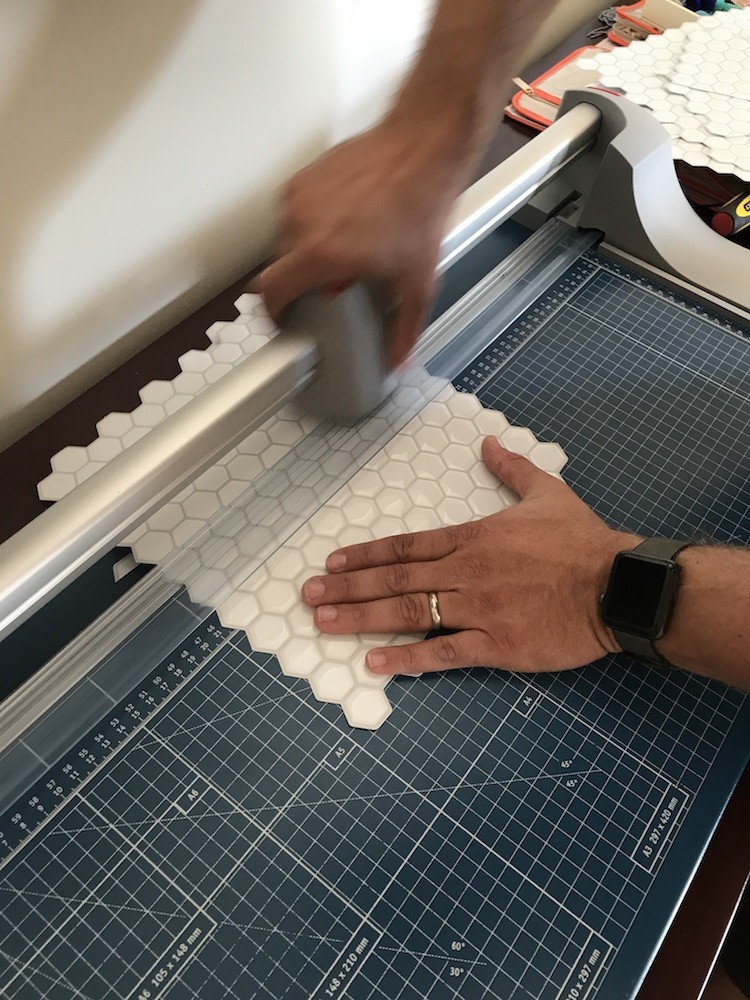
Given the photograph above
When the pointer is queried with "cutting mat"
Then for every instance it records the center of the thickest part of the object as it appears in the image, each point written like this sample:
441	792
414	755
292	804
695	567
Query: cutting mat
219	833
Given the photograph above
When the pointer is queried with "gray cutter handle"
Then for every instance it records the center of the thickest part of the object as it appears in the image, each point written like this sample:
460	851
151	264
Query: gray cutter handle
60	544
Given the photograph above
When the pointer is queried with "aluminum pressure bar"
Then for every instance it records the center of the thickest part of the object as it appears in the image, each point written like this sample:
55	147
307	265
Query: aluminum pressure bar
60	544
501	192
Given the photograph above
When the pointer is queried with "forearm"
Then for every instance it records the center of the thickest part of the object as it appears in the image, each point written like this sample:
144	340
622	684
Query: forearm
459	84
710	630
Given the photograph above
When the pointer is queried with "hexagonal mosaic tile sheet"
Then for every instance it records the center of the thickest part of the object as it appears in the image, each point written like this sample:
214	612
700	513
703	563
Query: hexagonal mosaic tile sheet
184	516
696	81
427	475
234	542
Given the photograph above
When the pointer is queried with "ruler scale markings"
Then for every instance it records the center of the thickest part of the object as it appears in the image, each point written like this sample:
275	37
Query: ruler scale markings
89	778
423	835
267	832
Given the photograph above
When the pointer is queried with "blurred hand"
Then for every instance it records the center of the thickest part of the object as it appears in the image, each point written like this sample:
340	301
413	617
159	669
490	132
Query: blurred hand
521	587
373	208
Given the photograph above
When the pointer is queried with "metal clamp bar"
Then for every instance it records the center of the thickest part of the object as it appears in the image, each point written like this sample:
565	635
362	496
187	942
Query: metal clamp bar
65	540
501	192
60	544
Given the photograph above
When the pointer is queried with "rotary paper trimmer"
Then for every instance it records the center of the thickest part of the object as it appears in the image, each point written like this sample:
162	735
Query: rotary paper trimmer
187	810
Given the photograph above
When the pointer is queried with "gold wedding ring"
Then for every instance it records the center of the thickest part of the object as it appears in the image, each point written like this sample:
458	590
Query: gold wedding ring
432	598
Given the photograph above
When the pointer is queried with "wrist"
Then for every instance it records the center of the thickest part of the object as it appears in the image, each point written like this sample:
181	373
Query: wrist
676	645
420	170
445	142
614	543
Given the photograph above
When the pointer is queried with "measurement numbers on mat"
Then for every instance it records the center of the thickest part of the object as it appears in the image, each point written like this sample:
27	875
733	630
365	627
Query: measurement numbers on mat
347	967
50	793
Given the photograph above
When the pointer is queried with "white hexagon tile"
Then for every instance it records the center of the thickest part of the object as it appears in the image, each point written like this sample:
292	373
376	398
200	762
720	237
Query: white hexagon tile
696	81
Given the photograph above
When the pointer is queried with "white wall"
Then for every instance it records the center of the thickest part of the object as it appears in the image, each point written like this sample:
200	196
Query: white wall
141	143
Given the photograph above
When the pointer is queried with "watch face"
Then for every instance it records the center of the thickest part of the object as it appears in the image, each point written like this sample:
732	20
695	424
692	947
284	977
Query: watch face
640	595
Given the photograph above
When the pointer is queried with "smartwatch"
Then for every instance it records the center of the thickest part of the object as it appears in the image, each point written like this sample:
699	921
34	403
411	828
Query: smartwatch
640	597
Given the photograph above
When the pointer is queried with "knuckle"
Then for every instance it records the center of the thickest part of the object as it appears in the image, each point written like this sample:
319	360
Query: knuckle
476	568
410	610
408	659
463	534
503	643
395	576
402	547
471	531
345	588
453	534
447	653
359	615
287	215
519	461
317	250
483	655
291	188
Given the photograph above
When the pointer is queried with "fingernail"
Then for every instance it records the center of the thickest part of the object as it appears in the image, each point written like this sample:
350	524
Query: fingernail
337	560
375	660
327	613
314	589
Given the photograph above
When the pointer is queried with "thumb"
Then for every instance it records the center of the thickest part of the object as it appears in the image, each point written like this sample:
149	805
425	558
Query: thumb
517	472
293	274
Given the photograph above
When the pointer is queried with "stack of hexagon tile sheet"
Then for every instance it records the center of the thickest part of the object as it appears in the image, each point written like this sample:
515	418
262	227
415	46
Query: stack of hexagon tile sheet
696	81
418	467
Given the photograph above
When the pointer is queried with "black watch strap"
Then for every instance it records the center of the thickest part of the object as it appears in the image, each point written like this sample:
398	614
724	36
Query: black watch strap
636	645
